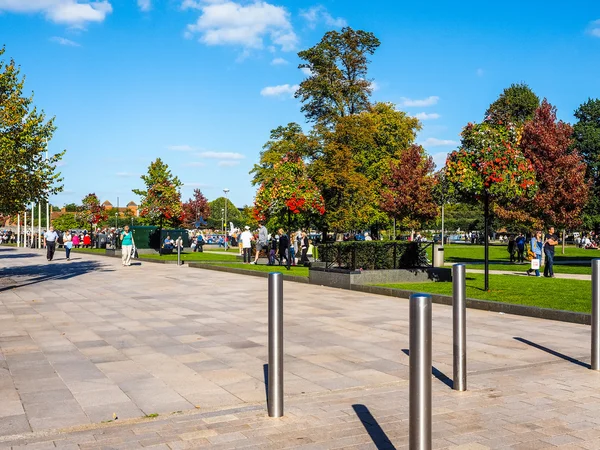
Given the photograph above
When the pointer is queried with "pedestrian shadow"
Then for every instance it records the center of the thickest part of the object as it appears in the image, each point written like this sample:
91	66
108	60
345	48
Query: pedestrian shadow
37	273
436	372
4	254
376	433
553	352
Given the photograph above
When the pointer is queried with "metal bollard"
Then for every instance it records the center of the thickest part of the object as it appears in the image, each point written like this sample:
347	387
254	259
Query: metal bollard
275	376
595	314
420	373
459	327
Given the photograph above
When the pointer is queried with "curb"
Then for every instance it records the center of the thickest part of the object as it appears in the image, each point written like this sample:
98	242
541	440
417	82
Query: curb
486	305
253	273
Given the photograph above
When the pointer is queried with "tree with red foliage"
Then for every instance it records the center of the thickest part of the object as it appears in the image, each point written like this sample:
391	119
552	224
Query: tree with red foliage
560	170
92	211
196	208
408	189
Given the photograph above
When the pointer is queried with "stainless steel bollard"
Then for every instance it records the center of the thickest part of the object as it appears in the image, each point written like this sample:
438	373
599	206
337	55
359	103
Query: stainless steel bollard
595	314
459	327
275	376
420	373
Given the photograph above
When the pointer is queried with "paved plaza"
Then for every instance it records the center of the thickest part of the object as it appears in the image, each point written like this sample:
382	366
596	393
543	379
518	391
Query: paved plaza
94	355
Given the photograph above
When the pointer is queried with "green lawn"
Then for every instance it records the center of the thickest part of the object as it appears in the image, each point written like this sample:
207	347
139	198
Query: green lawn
499	258
554	293
299	271
100	251
193	256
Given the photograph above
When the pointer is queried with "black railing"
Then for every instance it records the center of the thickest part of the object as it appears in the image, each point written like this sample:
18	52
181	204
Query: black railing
375	255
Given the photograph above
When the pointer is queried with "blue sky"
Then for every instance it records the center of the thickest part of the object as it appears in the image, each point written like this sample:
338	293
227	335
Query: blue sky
201	83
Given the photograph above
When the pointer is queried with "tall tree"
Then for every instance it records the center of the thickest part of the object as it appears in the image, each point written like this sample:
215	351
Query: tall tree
196	208
161	200
25	174
337	85
516	105
92	211
586	135
217	213
408	189
560	169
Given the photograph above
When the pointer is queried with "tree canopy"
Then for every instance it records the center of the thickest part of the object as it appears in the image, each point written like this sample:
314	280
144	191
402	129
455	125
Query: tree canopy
25	173
337	85
516	105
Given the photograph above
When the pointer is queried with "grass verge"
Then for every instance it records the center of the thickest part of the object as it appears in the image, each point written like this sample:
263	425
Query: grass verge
299	271
554	293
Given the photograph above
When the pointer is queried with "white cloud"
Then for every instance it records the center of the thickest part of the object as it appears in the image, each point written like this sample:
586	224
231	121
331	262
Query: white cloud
61	11
246	26
221	155
190	4
63	41
427	116
374	86
435	142
318	14
72	12
280	90
306	71
61	164
194	164
279	62
479	72
145	5
429	101
126	174
594	28
228	163
180	148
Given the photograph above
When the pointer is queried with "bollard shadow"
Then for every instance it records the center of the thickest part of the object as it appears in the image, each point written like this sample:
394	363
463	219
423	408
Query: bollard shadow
436	372
378	436
266	378
552	352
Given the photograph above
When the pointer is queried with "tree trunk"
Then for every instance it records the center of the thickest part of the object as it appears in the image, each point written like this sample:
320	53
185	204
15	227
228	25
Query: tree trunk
563	240
486	219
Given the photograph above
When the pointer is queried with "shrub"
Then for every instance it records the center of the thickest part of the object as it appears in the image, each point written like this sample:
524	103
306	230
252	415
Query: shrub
374	255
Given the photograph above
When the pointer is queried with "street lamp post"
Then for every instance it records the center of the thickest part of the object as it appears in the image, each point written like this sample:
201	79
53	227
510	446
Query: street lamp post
226	236
222	212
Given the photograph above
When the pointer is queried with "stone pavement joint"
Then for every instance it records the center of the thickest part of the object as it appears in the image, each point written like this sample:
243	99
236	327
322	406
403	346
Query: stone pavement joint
86	339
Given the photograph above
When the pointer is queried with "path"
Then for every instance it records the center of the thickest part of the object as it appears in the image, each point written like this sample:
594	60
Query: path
84	340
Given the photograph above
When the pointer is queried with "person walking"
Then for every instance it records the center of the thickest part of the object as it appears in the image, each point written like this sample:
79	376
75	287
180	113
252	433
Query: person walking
284	245
246	241
127	244
511	247
50	238
263	241
536	245
68	243
550	240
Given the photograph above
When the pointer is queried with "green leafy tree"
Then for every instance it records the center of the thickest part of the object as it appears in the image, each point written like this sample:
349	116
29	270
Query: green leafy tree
217	213
91	211
516	105
338	84
161	199
196	208
25	174
71	207
586	135
68	221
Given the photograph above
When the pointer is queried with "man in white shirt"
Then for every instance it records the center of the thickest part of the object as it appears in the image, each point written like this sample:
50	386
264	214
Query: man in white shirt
246	238
50	238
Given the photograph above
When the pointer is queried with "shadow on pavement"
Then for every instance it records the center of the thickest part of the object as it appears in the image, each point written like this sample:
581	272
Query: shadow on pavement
552	352
266	377
37	273
378	436
436	372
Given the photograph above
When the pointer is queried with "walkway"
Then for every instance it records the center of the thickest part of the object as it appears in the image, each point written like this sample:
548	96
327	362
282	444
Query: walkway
85	341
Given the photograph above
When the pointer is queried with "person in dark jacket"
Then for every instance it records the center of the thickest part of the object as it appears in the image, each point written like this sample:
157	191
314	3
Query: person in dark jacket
304	248
284	244
520	243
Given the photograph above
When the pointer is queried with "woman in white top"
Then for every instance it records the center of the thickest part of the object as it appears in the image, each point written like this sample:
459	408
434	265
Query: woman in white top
68	243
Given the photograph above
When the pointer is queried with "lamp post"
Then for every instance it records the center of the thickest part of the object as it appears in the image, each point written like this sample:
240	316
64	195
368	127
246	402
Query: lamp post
116	220
226	192
222	212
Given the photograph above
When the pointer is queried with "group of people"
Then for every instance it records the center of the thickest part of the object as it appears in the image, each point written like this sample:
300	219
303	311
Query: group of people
539	245
278	248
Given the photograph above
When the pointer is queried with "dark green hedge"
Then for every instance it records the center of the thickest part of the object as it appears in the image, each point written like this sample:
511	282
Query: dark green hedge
374	255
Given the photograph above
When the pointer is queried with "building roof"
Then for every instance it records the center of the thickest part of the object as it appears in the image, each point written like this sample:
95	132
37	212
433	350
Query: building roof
131	204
